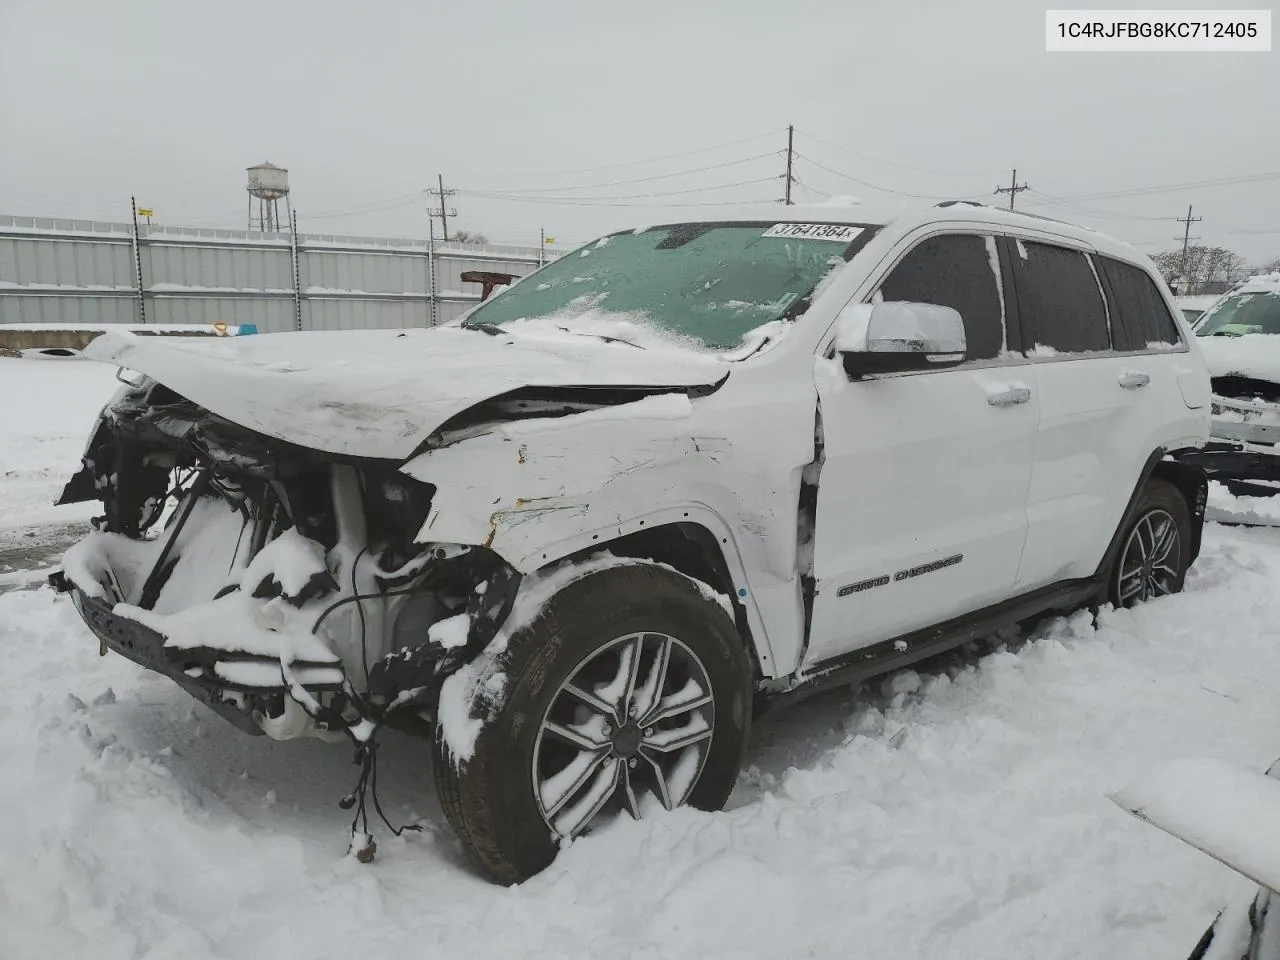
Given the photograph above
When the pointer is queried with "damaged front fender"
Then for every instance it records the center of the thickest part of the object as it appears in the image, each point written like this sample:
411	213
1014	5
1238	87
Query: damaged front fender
528	483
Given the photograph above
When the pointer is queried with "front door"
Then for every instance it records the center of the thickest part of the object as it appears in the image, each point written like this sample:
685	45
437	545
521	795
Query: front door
921	509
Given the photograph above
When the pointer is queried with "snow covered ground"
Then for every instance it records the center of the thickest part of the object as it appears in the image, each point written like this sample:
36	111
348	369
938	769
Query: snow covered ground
47	408
957	813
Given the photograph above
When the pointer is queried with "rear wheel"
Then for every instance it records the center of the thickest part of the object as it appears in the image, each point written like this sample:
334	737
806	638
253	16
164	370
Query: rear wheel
1154	548
630	691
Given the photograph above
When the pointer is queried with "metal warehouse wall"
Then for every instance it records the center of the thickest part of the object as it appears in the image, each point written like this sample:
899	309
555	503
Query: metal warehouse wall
90	272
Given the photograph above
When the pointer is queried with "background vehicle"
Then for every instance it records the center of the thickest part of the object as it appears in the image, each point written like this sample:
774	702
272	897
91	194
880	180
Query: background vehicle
1194	306
1240	338
686	472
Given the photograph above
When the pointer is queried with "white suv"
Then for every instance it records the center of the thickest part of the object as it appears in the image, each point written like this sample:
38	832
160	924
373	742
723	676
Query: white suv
675	476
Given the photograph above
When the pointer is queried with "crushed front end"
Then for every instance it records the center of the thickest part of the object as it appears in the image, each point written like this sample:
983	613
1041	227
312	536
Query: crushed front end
280	585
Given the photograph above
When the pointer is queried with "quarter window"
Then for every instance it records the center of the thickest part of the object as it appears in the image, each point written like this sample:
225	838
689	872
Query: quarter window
958	271
1060	304
1140	318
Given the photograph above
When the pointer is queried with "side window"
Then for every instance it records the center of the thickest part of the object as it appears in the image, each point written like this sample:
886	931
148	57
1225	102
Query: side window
958	271
1139	315
1059	300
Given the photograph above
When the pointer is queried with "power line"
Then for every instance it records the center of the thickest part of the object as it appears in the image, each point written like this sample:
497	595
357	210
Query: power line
864	183
623	183
588	202
1038	197
1166	188
637	163
488	194
373	206
889	163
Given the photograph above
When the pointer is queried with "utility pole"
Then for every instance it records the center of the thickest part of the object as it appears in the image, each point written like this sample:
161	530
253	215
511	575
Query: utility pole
1186	240
444	213
137	263
1014	188
791	137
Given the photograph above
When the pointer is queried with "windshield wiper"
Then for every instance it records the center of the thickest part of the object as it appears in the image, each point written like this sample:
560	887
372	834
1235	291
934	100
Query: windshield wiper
492	329
600	336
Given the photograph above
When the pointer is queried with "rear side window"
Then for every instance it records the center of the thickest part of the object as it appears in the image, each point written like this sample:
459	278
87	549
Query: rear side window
1140	318
1061	306
957	271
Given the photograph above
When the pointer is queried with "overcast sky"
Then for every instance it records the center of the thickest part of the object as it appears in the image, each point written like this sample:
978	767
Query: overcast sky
365	102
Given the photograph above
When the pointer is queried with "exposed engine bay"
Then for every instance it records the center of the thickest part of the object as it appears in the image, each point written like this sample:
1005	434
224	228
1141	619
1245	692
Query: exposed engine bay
280	584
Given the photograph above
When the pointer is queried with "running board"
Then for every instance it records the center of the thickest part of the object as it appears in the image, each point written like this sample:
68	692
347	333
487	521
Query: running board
899	652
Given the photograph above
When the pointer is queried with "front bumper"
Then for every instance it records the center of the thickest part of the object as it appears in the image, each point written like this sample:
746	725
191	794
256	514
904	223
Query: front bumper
195	671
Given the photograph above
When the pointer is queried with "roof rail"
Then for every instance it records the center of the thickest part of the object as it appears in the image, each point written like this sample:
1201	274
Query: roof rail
1018	213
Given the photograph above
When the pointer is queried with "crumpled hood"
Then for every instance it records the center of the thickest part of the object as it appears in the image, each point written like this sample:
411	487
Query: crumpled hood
1255	355
381	393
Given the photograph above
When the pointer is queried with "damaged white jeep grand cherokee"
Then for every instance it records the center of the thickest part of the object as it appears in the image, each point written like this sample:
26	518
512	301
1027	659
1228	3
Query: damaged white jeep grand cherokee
683	473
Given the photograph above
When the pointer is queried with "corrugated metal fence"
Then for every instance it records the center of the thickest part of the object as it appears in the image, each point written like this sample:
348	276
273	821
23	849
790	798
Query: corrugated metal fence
92	272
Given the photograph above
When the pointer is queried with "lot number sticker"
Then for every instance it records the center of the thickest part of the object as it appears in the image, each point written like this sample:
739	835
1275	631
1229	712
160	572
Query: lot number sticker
839	232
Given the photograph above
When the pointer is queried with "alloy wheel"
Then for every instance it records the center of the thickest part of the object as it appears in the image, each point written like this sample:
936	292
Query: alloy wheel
636	716
1151	559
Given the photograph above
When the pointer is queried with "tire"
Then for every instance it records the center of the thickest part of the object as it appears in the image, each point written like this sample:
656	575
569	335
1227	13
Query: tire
501	802
1145	566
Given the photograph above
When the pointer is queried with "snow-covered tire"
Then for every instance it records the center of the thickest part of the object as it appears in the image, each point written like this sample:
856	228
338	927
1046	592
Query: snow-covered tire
502	801
1155	547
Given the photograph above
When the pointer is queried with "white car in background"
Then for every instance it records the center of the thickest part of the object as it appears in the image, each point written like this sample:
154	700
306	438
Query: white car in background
686	472
1240	338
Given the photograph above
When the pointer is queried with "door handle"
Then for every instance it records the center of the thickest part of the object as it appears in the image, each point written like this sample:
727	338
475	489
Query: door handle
1132	379
1009	397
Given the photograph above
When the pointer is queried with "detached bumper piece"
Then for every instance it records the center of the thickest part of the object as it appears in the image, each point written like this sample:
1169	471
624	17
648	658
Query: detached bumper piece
194	670
1226	461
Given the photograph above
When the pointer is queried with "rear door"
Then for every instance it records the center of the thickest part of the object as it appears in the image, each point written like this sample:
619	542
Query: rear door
1101	409
921	511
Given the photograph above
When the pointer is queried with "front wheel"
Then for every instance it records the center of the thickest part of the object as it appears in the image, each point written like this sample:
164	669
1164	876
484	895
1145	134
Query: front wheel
1155	547
631	689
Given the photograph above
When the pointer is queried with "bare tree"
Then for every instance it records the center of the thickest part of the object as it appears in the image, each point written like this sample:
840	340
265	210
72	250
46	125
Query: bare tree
1270	266
469	236
1201	269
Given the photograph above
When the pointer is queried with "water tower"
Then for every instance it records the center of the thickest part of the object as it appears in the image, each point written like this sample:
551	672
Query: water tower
268	184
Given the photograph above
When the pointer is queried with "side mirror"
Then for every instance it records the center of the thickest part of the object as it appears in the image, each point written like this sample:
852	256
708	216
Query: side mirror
898	337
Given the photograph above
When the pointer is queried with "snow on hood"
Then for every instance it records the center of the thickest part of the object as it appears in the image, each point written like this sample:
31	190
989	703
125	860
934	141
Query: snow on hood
380	393
1255	355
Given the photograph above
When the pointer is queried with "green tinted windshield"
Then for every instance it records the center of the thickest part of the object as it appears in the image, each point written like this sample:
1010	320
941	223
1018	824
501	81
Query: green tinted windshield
1242	313
710	282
